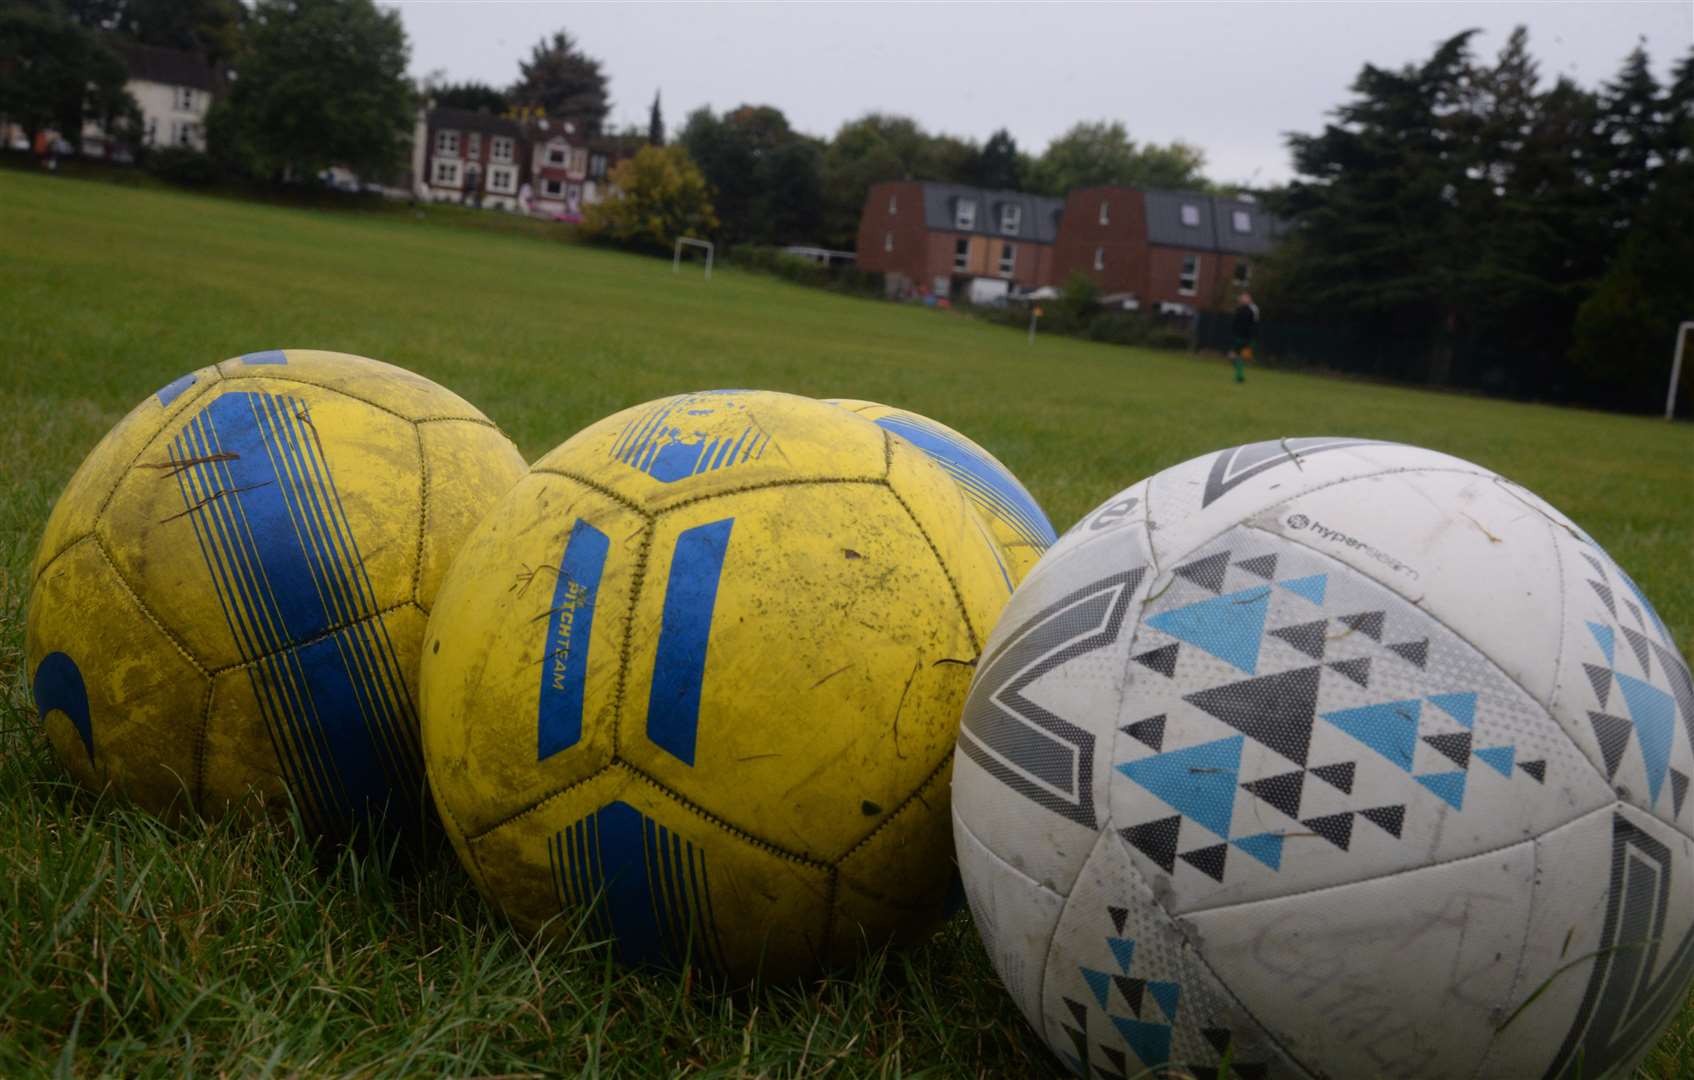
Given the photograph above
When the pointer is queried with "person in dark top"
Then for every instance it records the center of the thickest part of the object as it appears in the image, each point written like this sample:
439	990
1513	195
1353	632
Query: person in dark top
1241	332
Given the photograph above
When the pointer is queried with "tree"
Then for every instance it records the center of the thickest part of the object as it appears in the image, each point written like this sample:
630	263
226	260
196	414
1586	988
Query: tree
322	83
1092	154
764	176
877	147
473	96
561	80
212	28
655	123
657	196
998	164
1630	136
57	74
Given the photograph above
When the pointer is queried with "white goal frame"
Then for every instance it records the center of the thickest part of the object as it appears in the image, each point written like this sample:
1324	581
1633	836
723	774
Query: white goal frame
689	241
1682	333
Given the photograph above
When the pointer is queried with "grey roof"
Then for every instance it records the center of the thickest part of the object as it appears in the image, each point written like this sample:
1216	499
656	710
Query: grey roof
473	120
1215	226
1037	223
172	67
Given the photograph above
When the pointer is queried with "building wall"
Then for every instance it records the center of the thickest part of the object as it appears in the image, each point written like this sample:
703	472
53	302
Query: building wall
912	256
163	119
1121	241
1164	274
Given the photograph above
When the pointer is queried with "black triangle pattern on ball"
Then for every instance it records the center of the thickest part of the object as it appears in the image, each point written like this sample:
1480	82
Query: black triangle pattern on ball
1116	1057
1388	818
1309	637
1206	573
1635	611
1605	594
1118	915
1415	652
1643	652
1078	1010
1601	680
1338	776
1218	1037
1455	747
1537	769
1275	710
1357	669
1263	566
1156	840
1336	828
1282	791
1078	1040
1208	860
1613	733
1161	660
1132	990
1678	791
1595	563
1368	623
1149	732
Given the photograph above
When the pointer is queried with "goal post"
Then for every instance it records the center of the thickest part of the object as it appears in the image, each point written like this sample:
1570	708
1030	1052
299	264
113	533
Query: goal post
689	241
1682	333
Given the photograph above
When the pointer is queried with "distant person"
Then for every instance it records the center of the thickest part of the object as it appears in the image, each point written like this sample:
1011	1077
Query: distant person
1242	329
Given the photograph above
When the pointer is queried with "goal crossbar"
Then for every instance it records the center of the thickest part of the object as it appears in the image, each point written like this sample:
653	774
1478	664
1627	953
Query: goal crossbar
689	241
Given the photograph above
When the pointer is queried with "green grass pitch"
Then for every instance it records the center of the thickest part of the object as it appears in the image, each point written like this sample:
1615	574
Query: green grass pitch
133	948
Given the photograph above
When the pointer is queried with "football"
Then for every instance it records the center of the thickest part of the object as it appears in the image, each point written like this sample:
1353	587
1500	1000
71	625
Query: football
230	594
1012	513
1337	758
697	680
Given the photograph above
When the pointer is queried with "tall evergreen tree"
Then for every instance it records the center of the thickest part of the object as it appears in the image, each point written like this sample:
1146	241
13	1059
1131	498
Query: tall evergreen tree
655	123
561	80
998	165
1630	137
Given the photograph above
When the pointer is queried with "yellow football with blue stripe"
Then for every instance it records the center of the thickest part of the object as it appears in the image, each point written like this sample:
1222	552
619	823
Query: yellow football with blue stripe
1011	512
230	596
698	678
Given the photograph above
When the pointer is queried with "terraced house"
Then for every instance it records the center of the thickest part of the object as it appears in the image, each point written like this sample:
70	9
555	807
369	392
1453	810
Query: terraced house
955	241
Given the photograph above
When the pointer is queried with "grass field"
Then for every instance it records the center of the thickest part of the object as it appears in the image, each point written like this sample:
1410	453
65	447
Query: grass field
132	947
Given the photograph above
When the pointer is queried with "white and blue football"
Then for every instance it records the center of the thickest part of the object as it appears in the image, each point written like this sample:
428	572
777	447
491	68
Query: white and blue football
1332	758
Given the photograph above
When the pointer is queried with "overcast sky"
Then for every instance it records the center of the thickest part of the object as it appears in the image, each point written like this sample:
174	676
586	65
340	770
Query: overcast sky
1228	77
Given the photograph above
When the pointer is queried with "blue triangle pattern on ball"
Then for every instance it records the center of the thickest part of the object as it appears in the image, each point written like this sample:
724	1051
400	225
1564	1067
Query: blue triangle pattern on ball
1654	713
1123	951
1312	588
1265	847
1196	781
1499	758
1167	994
1391	728
1461	707
1448	786
1606	639
1229	627
1151	1042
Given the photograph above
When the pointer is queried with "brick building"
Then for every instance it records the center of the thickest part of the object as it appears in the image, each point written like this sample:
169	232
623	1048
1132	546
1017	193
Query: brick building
952	240
542	167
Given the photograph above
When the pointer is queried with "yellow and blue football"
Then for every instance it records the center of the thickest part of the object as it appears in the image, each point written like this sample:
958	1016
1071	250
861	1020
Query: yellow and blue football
1011	512
231	593
697	679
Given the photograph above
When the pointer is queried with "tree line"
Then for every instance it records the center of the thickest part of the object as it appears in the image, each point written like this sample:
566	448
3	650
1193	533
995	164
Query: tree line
1458	221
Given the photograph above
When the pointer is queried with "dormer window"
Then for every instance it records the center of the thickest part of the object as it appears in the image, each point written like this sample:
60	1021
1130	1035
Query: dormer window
1191	215
1105	212
1011	216
556	154
1242	220
964	217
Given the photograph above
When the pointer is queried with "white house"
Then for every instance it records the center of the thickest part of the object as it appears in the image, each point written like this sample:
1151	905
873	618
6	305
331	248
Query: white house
174	89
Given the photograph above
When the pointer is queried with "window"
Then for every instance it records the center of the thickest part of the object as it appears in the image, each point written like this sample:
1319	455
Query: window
893	205
152	136
182	133
888	241
961	254
1189	283
473	145
1099	258
1242	273
965	216
597	166
1191	215
1008	259
446	174
500	148
1105	212
1011	216
553	188
502	178
447	143
1242	220
185	99
556	154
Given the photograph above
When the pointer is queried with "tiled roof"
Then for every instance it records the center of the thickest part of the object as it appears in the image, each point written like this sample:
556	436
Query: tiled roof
1038	217
1214	223
172	67
473	120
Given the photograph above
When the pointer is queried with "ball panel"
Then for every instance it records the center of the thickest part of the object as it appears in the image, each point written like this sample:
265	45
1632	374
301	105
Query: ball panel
1125	992
121	703
1035	750
692	445
1611	949
1014	914
79	505
1350	977
519	676
804	640
666	877
1317	729
301	505
973	558
468	467
404	393
893	886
